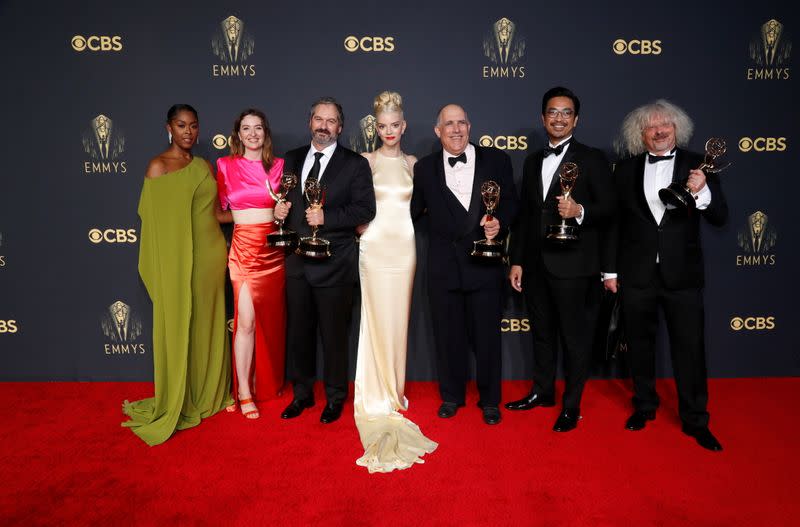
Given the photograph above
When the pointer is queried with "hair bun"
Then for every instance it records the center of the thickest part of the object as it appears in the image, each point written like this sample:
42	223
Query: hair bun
388	101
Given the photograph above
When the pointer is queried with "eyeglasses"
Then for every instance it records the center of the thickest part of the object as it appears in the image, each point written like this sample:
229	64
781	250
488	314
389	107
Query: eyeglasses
566	113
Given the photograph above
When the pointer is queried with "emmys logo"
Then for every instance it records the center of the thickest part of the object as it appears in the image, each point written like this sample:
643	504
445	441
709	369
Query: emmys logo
504	47
762	144
369	44
122	327
636	47
8	326
515	325
757	239
233	46
365	139
221	142
104	143
770	51
113	235
504	142
96	43
752	323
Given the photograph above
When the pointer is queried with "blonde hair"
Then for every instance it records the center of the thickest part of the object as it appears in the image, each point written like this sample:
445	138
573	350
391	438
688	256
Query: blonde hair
388	101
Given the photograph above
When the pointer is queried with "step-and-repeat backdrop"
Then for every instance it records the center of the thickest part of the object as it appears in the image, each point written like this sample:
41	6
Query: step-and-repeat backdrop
86	87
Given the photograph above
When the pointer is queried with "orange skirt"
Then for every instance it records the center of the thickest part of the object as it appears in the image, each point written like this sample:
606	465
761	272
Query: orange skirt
251	261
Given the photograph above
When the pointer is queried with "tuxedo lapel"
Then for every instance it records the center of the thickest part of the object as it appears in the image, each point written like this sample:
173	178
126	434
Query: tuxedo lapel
334	167
538	174
476	200
680	169
638	187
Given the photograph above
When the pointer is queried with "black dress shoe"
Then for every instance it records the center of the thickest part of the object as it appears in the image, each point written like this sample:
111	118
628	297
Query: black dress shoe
491	415
639	418
296	408
447	410
331	413
531	401
704	437
567	420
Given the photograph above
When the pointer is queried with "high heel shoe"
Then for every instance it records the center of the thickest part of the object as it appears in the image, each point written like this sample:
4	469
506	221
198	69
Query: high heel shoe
252	414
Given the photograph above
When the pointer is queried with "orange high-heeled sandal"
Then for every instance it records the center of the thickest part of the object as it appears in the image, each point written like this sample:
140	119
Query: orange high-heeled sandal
232	408
252	414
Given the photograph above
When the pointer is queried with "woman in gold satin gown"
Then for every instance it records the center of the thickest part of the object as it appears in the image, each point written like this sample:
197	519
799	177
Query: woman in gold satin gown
387	260
182	263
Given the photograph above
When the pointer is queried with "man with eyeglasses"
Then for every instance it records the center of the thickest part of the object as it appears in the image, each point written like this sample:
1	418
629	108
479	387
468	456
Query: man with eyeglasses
559	280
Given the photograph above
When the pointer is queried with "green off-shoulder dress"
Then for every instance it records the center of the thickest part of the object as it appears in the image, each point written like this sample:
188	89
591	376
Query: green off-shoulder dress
182	259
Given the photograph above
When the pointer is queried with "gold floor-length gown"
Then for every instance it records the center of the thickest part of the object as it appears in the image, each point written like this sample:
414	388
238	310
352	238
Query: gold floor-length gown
387	260
182	257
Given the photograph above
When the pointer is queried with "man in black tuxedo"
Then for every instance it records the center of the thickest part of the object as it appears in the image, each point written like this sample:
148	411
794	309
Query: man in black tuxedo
656	252
319	292
466	292
560	279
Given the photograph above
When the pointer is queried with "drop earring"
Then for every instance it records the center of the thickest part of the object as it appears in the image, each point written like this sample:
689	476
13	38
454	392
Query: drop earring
169	137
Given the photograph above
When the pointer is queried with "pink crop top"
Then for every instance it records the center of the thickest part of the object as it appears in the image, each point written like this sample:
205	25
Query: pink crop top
242	183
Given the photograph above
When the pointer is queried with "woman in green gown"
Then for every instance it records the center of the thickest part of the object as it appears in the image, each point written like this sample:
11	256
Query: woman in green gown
182	259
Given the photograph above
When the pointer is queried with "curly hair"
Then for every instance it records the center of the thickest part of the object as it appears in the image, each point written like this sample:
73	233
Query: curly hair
630	139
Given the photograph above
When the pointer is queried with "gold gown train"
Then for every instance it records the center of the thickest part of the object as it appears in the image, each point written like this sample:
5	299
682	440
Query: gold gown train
387	260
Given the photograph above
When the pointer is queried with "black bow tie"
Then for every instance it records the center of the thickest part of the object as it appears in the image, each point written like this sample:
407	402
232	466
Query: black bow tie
655	159
557	150
453	160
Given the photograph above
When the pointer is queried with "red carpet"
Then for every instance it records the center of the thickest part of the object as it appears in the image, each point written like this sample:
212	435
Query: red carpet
66	461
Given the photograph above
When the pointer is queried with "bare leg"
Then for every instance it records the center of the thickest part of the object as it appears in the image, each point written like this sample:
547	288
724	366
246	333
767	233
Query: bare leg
243	346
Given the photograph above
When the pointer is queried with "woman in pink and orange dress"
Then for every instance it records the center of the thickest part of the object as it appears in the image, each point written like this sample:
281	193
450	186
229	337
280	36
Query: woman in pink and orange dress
256	270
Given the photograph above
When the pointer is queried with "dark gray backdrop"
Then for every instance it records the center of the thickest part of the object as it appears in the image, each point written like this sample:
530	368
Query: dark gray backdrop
69	231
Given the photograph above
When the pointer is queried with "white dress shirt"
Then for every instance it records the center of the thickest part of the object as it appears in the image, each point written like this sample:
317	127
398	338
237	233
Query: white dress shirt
323	162
459	178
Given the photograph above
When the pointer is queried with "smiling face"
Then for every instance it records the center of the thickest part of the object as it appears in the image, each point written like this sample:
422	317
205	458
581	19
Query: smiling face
252	132
559	119
325	125
659	135
390	126
184	128
452	129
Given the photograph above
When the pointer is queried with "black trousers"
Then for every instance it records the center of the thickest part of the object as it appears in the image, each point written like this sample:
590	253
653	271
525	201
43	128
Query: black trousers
464	320
560	309
684	314
309	308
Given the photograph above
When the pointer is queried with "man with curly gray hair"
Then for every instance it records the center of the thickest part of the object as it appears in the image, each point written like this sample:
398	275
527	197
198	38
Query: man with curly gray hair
655	259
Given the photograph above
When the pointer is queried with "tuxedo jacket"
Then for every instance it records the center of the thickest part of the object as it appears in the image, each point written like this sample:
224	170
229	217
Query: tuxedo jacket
453	228
349	202
637	238
593	189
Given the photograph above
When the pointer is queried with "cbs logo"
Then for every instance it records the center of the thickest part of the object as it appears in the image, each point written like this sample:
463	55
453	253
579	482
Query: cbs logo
8	326
636	47
96	43
230	325
762	144
353	44
505	142
752	323
515	325
113	235
220	141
